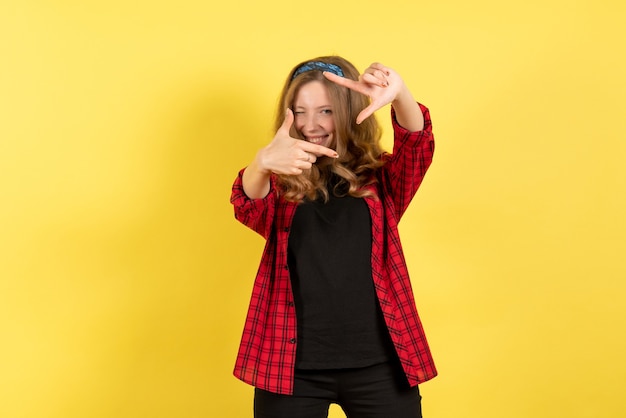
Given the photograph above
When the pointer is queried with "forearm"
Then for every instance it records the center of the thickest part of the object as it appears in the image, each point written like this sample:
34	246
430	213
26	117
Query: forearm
256	180
408	113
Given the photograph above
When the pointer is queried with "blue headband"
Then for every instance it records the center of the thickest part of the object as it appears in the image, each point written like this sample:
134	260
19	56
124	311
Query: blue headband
318	65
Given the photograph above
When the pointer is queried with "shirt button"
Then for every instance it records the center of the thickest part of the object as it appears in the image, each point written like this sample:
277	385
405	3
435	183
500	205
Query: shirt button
286	229
290	304
286	267
292	341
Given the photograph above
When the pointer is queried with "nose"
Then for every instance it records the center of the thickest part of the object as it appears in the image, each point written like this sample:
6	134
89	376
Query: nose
310	122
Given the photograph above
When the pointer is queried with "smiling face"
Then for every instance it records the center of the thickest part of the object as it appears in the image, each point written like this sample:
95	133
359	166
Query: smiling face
314	114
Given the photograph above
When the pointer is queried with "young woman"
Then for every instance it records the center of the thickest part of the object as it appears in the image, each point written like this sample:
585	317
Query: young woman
332	317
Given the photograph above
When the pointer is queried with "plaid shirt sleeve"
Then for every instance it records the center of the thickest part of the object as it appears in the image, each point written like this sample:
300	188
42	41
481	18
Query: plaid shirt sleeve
266	356
400	178
407	166
257	214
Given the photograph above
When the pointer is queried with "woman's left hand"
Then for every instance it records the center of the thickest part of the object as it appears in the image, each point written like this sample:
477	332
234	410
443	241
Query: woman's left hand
381	84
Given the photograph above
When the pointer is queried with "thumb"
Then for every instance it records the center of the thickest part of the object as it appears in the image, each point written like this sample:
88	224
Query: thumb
365	113
286	126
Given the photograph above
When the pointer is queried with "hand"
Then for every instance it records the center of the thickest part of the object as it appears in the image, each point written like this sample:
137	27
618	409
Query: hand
381	84
290	156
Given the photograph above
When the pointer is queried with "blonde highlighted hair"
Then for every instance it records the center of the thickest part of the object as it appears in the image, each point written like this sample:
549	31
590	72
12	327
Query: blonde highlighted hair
358	146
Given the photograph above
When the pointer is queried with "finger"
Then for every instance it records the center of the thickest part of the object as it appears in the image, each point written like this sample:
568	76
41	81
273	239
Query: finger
377	78
306	156
380	67
345	82
309	157
318	150
294	171
302	165
366	113
286	126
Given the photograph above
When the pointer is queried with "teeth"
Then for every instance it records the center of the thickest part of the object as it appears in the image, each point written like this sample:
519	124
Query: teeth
316	140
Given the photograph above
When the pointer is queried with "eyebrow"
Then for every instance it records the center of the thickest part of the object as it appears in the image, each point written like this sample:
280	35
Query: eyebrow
319	107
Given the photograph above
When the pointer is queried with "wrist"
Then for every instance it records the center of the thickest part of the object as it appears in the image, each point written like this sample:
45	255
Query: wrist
259	163
408	112
404	96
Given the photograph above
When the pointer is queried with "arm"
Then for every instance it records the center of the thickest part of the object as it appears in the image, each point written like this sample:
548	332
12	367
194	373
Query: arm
413	141
383	86
407	165
256	180
408	112
256	214
284	155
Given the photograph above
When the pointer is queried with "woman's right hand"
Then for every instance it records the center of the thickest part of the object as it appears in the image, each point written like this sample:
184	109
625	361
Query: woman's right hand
288	155
284	155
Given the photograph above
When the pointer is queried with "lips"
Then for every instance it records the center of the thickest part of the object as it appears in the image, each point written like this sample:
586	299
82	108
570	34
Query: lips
317	139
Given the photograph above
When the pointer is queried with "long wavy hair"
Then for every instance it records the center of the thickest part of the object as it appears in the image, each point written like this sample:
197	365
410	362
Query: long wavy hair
358	146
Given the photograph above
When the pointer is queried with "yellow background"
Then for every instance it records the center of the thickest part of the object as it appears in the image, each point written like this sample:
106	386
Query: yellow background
125	278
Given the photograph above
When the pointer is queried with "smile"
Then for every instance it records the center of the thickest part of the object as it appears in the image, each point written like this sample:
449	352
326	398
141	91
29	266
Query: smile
317	139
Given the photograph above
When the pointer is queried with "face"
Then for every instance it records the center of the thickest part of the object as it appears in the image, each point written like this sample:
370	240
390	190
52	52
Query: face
314	114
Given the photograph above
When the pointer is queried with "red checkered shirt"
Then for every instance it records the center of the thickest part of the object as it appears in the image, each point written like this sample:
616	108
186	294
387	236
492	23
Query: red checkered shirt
267	352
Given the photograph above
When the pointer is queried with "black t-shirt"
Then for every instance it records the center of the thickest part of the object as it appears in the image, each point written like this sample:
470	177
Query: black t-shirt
340	324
